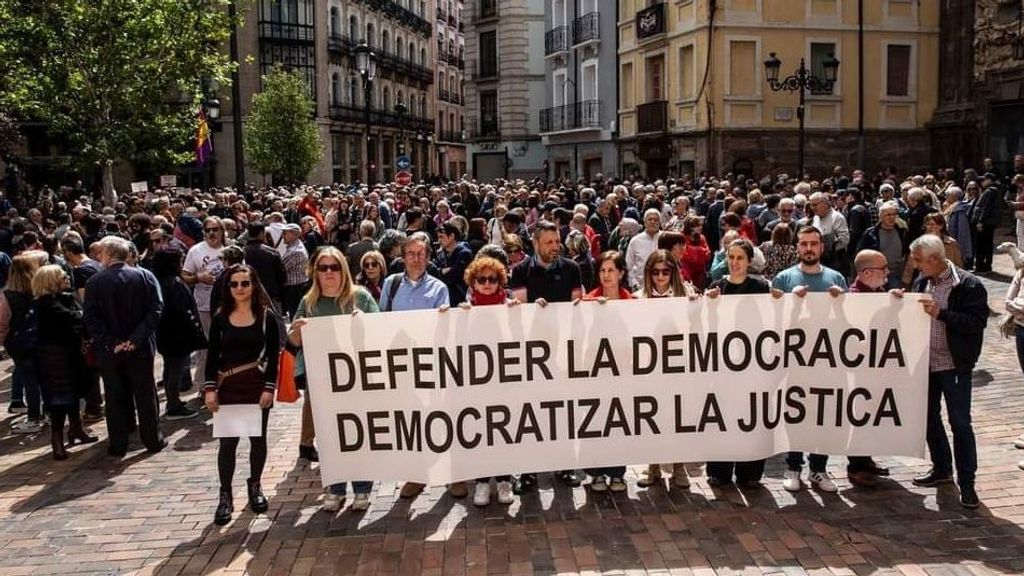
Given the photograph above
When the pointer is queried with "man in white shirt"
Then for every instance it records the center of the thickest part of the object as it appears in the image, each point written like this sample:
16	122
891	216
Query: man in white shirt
202	266
835	233
641	246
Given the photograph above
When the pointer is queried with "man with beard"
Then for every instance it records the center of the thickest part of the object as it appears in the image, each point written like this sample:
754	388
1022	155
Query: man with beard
808	276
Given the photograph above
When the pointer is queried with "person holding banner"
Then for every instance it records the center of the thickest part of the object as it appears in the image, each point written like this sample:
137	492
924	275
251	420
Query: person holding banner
611	273
739	255
661	279
808	276
487	278
331	293
959	311
241	367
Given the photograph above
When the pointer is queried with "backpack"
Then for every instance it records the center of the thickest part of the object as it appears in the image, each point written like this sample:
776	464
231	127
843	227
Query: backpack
23	340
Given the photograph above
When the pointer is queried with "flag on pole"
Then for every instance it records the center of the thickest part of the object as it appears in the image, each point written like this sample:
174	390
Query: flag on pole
204	146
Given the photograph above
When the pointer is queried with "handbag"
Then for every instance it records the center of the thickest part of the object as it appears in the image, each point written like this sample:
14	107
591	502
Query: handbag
287	391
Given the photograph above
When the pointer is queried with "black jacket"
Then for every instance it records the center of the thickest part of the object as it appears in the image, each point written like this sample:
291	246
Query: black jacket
871	241
966	315
986	208
177	335
60	365
269	267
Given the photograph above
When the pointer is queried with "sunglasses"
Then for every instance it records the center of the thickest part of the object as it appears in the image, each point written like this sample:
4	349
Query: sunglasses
240	283
325	268
371	264
486	280
211	230
661	272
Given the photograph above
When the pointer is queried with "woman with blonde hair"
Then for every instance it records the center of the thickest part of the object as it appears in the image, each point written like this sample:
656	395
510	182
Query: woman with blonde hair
60	364
18	337
331	292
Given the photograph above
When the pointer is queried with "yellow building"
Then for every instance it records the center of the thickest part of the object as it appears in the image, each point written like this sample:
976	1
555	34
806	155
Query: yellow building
693	94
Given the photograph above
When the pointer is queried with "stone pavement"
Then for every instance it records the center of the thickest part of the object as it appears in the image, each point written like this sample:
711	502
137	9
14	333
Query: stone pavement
152	514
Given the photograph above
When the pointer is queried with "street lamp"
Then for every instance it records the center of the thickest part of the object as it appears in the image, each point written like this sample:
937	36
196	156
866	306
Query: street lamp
801	81
366	63
211	110
400	110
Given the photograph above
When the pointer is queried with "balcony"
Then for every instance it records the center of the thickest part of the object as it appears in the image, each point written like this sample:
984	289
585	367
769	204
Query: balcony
440	15
556	41
573	116
652	117
486	10
341	44
450	136
451	20
380	118
299	33
486	71
486	131
401	14
586	29
650	22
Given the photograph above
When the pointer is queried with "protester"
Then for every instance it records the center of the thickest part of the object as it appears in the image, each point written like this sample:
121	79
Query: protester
889	238
372	271
242	369
179	332
780	252
296	260
641	246
267	263
1014	305
19	338
201	268
452	259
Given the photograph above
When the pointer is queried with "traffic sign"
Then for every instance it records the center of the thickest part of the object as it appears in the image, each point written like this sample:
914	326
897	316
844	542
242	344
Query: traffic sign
403	178
403	163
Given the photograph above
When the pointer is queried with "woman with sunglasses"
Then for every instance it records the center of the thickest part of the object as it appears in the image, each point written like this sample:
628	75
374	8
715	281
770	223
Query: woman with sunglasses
662	280
739	255
241	368
371	273
331	293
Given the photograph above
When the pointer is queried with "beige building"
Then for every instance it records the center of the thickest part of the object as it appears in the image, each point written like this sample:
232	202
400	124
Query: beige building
693	94
449	134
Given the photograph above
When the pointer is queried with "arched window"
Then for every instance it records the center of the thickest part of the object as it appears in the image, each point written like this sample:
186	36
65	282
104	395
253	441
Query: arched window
335	89
385	41
353	28
370	38
423	56
335	24
412	51
423	107
353	90
400	98
399	47
387	99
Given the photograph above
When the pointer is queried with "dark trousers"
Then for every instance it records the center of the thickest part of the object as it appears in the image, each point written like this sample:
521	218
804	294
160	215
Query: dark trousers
955	387
745	471
292	299
609	471
94	396
795	461
227	455
983	248
175	369
858	464
127	379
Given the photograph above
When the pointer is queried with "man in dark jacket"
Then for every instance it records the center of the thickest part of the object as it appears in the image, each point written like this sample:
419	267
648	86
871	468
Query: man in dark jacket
984	219
122	311
959	311
452	260
267	263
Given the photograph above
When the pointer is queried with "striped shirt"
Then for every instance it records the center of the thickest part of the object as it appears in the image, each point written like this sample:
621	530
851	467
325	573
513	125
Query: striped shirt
295	261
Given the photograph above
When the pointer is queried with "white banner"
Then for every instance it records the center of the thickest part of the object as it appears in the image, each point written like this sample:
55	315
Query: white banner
433	397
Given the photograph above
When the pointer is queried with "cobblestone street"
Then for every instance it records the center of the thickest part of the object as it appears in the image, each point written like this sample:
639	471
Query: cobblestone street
152	514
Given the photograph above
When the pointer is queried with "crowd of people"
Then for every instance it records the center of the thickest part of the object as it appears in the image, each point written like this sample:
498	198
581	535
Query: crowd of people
217	282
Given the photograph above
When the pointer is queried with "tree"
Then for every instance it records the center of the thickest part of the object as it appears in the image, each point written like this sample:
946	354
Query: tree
10	136
118	80
281	136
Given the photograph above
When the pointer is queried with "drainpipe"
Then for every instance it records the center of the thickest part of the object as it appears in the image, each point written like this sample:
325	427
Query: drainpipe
860	84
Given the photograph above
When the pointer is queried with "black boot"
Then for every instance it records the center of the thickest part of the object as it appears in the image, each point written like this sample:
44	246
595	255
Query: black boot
257	501
77	433
57	443
224	508
309	453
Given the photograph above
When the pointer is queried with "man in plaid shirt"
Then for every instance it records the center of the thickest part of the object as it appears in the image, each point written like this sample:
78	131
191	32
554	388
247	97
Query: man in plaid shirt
295	261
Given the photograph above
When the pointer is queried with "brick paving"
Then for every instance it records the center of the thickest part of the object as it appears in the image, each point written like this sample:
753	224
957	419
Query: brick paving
151	514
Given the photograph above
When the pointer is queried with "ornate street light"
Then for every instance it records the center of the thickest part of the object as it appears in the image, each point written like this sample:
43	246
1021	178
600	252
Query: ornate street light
366	63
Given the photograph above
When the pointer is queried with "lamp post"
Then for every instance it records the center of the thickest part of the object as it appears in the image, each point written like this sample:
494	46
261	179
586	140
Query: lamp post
211	109
800	81
400	110
366	63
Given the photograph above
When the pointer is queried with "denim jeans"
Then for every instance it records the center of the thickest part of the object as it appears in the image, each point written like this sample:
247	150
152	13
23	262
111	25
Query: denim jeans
175	370
358	486
25	379
795	461
1020	349
955	387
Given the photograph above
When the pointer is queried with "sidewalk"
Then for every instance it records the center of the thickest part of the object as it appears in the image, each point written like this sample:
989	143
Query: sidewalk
152	514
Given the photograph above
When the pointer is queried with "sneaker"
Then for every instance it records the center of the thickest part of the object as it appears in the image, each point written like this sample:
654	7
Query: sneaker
27	427
1019	442
680	479
361	502
969	497
791	481
617	485
823	481
332	502
932	478
505	495
482	494
181	412
599	484
17	407
650	477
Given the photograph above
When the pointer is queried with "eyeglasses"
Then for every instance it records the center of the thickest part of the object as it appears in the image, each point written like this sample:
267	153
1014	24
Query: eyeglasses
240	283
877	269
211	230
325	268
371	264
787	211
661	272
486	280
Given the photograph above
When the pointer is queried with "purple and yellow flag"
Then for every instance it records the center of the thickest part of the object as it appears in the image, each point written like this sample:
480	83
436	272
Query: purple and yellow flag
204	146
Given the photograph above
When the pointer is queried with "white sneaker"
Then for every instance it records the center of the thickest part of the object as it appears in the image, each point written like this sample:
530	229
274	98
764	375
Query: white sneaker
791	481
599	484
361	502
332	502
1019	442
505	494
618	485
482	493
823	481
27	427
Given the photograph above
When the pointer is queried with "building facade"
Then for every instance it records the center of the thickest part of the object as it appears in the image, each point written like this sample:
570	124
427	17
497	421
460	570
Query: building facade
449	134
505	88
578	122
693	94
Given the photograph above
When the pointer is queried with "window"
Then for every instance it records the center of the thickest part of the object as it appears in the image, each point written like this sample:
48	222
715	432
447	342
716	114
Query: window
353	91
897	80
353	28
655	79
559	87
820	52
588	84
489	113
335	25
371	39
488	54
742	68
687	76
335	89
627	85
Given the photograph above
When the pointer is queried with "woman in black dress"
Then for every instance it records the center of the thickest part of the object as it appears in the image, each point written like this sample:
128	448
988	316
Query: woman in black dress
739	254
241	368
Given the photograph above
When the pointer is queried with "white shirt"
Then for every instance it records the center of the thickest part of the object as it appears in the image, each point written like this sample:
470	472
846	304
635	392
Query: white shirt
203	258
640	247
834	223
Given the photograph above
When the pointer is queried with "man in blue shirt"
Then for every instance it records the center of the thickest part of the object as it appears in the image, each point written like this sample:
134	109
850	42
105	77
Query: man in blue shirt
808	276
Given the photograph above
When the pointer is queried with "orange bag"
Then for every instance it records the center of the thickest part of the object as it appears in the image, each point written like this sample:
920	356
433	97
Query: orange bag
286	389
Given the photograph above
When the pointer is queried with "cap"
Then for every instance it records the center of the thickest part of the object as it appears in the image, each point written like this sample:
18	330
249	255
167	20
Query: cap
292	227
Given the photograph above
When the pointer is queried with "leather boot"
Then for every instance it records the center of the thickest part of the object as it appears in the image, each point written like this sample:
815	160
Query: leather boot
78	435
257	501
225	508
57	443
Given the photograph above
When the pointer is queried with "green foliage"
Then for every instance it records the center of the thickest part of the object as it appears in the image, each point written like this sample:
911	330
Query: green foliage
281	136
117	79
10	137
